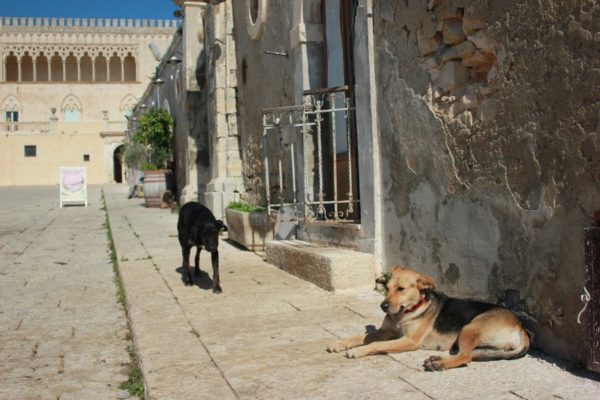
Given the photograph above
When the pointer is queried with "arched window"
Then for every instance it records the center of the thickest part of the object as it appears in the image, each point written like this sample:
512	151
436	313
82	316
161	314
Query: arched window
71	67
71	108
41	68
85	64
127	104
100	66
56	67
11	106
26	68
12	68
115	68
130	68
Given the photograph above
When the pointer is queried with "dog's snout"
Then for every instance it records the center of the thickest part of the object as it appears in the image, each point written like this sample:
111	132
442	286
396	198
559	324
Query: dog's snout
385	306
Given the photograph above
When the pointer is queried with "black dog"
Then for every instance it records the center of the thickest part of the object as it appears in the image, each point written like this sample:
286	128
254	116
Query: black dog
197	226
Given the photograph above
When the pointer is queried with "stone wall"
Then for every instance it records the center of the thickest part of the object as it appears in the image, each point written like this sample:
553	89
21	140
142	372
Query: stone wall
264	80
490	115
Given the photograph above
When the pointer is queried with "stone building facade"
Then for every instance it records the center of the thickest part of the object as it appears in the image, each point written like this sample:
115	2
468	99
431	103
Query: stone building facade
477	130
197	85
459	138
66	86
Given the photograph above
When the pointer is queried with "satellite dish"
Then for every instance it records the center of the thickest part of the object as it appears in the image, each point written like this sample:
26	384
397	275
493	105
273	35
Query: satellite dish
155	51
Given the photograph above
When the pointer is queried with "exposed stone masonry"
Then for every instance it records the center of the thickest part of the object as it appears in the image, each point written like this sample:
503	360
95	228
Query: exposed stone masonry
462	62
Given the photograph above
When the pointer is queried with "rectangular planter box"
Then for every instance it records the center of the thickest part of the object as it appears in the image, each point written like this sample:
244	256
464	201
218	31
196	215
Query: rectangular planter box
250	229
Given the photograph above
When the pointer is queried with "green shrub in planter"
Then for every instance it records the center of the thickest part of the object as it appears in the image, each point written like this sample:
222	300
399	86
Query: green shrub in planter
245	207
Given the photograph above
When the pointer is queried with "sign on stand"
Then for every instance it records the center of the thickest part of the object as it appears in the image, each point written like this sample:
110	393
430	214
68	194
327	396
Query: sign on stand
73	186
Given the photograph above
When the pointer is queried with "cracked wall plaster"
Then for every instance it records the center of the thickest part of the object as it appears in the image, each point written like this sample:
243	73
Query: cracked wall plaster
491	149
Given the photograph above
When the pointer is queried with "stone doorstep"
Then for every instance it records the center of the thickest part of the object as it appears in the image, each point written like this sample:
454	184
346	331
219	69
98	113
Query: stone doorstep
330	268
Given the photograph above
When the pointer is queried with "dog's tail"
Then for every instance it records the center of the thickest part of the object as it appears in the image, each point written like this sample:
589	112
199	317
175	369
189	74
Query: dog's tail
488	353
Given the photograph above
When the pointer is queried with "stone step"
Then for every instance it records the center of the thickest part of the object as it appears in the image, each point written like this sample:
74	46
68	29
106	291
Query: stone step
330	268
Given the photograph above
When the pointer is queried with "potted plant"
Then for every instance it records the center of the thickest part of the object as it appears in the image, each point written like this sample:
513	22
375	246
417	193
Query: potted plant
134	157
155	132
249	225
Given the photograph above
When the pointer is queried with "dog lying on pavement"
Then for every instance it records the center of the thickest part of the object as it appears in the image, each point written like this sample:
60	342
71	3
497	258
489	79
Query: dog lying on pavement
473	330
197	226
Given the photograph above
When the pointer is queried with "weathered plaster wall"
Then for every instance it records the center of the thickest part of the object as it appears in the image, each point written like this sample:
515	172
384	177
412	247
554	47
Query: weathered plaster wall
264	80
490	150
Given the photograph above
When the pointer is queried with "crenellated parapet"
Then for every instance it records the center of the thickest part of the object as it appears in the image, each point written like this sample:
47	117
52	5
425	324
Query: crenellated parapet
92	25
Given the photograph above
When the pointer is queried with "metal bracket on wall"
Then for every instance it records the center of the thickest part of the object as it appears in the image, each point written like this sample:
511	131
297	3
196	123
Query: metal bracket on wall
586	299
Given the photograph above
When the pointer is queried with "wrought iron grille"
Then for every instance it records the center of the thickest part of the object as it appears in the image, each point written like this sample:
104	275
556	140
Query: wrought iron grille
315	138
592	283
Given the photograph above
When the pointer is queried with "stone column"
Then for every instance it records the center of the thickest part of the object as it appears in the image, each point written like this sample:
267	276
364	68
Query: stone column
225	162
122	69
107	69
94	69
20	74
188	135
3	71
78	69
34	69
64	69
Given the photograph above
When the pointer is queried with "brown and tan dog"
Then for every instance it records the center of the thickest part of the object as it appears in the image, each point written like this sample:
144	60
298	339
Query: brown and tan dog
417	317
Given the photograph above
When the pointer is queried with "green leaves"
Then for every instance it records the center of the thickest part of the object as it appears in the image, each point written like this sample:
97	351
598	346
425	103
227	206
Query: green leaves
155	131
244	207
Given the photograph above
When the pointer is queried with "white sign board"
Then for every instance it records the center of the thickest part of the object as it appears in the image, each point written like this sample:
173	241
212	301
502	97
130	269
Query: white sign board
73	186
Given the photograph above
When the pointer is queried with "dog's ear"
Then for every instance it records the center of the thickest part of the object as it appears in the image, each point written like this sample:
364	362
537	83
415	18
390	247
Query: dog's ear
221	227
425	282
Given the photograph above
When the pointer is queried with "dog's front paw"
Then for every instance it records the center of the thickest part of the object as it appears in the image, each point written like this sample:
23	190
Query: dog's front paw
217	289
356	353
337	347
433	363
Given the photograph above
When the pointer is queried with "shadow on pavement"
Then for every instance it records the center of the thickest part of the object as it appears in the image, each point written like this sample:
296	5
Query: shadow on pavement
203	281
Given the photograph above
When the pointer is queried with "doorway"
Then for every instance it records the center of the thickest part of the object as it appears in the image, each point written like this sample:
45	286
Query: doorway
118	164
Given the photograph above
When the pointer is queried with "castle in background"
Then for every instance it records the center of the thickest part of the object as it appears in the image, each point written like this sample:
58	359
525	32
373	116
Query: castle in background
66	87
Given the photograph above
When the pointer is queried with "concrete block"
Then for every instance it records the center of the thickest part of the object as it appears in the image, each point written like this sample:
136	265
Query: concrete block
480	61
453	75
230	101
481	41
471	24
445	11
427	44
329	268
461	50
252	230
453	31
220	101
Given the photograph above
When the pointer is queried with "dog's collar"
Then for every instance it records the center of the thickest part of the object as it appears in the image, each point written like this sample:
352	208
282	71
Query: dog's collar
417	306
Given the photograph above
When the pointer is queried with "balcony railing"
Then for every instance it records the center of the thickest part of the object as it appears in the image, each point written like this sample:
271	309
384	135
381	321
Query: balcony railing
24	126
60	126
309	159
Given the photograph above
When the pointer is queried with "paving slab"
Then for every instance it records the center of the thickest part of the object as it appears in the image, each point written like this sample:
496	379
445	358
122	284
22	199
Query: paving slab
62	331
265	336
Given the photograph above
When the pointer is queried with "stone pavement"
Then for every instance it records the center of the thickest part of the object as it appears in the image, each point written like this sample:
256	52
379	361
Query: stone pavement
62	334
265	336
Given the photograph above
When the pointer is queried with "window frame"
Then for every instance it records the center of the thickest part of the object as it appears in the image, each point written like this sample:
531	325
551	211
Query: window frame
29	154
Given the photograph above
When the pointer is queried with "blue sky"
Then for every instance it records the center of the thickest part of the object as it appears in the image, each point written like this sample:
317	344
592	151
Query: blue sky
157	9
